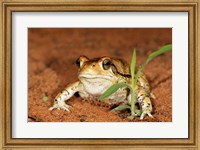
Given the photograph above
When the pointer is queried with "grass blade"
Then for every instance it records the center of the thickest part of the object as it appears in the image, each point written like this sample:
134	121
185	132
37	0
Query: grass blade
138	112
112	90
133	64
162	50
121	107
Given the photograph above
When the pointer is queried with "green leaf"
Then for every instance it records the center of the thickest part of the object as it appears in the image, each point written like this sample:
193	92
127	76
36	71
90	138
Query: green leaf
45	98
162	50
121	107
138	112
131	117
112	90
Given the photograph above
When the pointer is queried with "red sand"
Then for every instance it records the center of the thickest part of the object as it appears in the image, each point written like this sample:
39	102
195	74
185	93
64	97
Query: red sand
51	66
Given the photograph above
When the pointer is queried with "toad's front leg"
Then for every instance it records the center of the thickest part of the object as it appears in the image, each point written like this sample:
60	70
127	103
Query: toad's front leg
146	107
145	103
67	93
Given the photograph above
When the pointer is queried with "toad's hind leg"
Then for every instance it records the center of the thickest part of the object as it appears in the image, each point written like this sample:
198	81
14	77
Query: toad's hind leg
68	92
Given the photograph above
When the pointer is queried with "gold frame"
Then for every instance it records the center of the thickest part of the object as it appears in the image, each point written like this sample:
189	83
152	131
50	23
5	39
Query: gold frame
9	6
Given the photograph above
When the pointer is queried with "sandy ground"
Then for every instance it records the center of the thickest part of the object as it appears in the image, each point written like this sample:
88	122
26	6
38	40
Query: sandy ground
51	66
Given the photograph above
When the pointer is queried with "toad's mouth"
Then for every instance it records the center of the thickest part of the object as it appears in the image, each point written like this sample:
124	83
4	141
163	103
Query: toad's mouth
95	76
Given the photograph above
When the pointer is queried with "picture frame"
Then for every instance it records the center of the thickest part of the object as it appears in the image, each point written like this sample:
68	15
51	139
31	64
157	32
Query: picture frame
8	7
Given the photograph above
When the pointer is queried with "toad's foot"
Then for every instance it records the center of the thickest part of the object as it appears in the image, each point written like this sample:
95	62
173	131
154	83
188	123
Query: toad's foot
61	105
144	113
68	92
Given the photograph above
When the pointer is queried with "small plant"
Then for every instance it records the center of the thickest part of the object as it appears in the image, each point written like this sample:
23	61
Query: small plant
45	97
134	77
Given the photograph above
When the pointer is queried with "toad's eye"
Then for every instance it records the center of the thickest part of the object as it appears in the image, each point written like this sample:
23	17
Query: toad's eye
106	64
78	63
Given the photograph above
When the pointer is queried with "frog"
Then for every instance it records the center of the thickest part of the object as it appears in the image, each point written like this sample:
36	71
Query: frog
96	75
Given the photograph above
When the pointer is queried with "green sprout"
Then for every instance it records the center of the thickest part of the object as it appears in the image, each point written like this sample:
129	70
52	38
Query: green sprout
134	77
45	98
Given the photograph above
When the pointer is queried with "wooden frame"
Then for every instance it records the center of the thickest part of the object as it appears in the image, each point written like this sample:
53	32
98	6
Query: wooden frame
9	6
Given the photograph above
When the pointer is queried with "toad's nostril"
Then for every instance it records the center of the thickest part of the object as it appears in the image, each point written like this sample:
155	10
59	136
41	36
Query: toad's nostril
93	65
